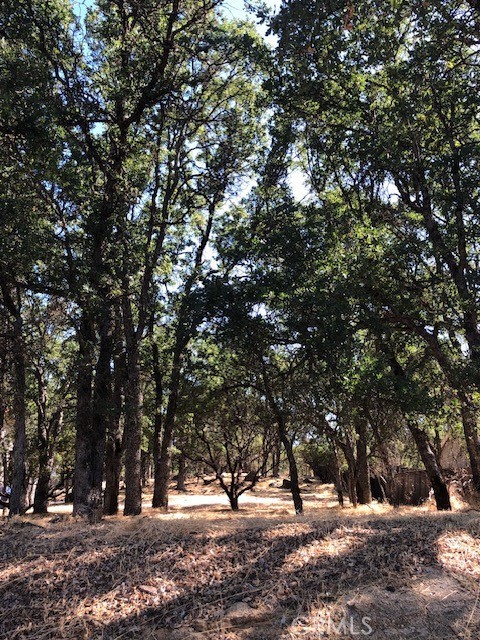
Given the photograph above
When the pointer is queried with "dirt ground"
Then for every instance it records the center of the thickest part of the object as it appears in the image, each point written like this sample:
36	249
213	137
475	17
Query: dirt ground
204	572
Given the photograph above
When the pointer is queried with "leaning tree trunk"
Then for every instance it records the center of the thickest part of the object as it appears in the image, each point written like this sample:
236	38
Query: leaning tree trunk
18	494
364	491
434	473
293	469
286	442
469	422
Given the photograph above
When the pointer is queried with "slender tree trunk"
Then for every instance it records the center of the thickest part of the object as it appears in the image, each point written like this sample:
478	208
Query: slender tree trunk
349	454
385	457
158	419
3	454
469	421
162	476
164	463
434	473
40	501
182	472
115	446
364	492
19	488
276	455
81	478
286	442
133	433
293	469
338	474
42	491
101	416
3	408
468	409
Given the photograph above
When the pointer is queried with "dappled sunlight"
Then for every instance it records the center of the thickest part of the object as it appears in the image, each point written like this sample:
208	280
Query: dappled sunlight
459	553
286	530
233	576
331	546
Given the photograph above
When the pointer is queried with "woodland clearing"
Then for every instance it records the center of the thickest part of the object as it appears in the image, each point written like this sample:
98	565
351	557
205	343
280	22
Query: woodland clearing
204	572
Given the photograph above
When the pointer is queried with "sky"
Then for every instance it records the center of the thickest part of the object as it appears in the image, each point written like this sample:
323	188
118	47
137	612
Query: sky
237	6
236	9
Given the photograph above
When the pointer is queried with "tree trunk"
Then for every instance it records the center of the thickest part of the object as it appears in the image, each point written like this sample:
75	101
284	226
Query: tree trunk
285	441
164	463
18	494
158	419
3	449
133	433
469	421
276	454
93	407
162	476
293	469
113	466
338	474
233	502
434	473
364	492
115	446
349	454
42	491
385	457
81	477
182	473
101	416
40	501
146	465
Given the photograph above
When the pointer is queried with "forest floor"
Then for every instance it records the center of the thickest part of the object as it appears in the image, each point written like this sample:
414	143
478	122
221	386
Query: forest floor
202	572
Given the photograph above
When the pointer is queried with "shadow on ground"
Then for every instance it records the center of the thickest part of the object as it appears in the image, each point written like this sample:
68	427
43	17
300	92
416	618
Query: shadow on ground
401	577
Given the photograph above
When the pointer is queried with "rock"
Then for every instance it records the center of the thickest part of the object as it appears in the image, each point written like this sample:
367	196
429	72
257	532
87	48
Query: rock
286	484
145	588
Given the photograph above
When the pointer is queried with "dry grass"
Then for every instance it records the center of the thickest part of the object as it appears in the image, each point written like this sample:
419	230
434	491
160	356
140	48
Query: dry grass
204	572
